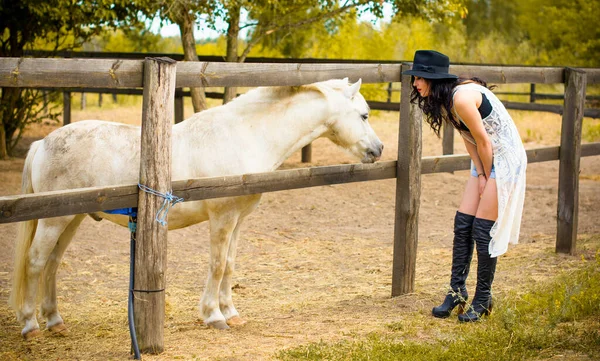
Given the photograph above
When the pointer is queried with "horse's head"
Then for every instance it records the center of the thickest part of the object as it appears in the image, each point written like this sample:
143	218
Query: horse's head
349	121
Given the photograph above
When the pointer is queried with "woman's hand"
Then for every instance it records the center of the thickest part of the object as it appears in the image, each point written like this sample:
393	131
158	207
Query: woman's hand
482	182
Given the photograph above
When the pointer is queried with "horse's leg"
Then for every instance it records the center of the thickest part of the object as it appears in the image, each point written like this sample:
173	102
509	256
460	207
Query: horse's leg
46	237
49	304
225	298
222	224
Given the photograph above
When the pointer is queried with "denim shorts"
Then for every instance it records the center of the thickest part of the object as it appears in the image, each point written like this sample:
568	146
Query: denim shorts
474	171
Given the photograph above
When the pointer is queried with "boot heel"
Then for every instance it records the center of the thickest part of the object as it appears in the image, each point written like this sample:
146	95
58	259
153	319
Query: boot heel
461	308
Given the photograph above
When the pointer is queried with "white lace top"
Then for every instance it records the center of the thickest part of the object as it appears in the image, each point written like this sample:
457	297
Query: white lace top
510	164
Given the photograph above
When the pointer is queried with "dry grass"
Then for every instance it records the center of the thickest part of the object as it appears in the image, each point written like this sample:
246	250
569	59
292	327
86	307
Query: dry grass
313	264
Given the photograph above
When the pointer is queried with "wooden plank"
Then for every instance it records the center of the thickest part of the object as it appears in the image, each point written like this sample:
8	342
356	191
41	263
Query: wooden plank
116	73
389	106
451	163
179	109
447	139
18	208
202	74
543	154
447	163
23	207
307	153
551	108
570	153
590	149
510	74
205	188
155	173
408	192
57	73
66	108
520	74
593	75
96	199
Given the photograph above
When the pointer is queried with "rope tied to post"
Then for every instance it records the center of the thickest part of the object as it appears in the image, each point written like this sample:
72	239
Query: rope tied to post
170	200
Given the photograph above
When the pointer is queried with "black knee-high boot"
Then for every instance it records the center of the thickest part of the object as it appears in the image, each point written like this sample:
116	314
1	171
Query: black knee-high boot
486	267
462	253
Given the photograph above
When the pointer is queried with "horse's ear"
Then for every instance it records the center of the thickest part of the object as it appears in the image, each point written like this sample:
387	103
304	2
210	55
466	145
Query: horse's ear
353	89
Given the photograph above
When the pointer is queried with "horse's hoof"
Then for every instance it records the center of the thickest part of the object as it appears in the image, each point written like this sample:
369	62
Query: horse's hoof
219	325
59	330
32	334
236	321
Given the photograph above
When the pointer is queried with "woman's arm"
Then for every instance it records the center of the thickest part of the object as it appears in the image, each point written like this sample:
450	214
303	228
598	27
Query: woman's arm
465	103
472	150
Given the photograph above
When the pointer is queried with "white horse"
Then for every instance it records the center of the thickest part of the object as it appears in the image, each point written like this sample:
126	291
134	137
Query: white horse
254	133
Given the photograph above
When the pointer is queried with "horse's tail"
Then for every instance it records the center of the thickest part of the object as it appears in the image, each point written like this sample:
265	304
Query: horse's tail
25	234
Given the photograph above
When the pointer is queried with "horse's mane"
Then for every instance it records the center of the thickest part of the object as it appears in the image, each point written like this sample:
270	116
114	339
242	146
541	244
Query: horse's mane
265	100
280	93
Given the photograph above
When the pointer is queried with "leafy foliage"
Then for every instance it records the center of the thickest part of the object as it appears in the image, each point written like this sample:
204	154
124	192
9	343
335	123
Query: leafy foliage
565	30
55	25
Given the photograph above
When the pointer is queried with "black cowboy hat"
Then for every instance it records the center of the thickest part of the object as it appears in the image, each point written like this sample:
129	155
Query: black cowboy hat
430	64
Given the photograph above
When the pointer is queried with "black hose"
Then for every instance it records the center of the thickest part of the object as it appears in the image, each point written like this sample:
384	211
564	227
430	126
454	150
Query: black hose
134	343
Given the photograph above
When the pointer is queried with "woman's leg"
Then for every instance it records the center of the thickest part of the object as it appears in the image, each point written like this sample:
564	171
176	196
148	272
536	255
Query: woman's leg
488	205
486	216
462	251
470	199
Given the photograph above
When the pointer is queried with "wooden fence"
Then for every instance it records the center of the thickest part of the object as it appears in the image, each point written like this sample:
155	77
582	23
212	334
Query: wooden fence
307	150
112	74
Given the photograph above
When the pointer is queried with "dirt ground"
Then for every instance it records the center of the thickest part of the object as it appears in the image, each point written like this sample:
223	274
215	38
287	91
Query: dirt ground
313	264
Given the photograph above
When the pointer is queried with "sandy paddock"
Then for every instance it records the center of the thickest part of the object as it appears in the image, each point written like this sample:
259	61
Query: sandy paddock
313	264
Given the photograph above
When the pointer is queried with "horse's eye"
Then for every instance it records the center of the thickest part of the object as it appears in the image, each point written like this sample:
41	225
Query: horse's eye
364	116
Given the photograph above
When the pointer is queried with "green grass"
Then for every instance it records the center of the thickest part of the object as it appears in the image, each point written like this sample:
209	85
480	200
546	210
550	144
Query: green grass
561	317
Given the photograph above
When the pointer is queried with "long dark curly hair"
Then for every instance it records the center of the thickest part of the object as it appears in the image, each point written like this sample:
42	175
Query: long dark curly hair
437	105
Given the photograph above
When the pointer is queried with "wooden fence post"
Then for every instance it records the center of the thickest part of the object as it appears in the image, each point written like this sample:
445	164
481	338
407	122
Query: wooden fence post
570	151
178	109
155	173
447	139
66	108
408	192
307	153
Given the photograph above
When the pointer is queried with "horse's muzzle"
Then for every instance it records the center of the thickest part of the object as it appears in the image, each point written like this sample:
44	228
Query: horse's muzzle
373	154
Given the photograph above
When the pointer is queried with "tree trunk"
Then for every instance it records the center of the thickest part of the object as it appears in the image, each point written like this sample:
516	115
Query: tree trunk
3	148
12	119
232	48
185	21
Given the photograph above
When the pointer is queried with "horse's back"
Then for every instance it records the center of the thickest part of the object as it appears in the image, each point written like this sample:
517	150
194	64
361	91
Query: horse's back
86	154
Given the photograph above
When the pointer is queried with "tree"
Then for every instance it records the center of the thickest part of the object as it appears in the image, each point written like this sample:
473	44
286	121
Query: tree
58	25
185	13
552	32
487	16
566	31
270	22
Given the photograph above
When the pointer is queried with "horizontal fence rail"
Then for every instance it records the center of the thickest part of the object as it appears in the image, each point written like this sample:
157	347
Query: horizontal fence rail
111	73
550	108
89	200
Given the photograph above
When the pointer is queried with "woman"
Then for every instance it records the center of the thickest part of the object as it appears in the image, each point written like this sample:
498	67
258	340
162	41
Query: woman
489	215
